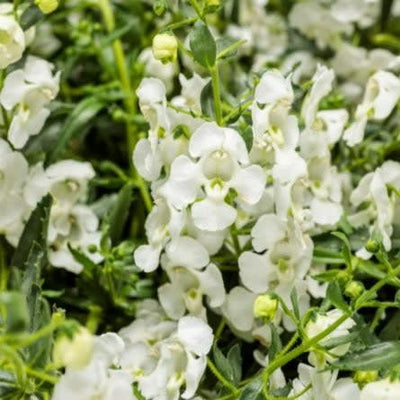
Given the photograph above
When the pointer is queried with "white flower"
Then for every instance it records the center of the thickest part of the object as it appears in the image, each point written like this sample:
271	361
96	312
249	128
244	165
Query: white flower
156	69
381	96
190	97
221	164
317	22
97	380
71	223
187	264
382	390
13	175
373	190
322	322
162	223
286	260
324	385
300	64
12	38
163	356
27	92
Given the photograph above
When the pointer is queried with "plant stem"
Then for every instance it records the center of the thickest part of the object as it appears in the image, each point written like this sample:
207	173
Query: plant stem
130	97
219	376
41	375
216	94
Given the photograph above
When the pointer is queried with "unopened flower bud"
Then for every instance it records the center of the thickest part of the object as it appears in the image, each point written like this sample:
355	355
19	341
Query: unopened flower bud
364	377
74	352
47	6
354	289
265	307
372	246
213	3
165	47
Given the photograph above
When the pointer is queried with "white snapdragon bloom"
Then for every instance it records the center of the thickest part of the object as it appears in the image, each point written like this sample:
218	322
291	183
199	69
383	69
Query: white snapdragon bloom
162	223
325	186
373	190
12	38
155	68
27	92
324	385
221	163
71	223
14	171
161	147
300	64
286	260
163	356
357	64
187	264
97	380
276	136
362	12
322	322
381	96
191	92
322	128
382	390
317	22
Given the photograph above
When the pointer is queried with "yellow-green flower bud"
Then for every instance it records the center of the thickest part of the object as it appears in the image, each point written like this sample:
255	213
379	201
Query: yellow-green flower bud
265	307
74	352
47	6
372	246
165	47
354	289
213	3
364	377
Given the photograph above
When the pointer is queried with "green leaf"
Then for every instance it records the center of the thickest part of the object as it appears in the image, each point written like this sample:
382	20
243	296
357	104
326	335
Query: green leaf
77	122
276	344
346	248
16	310
222	363
202	45
377	357
207	101
327	276
295	303
119	213
334	294
235	360
35	231
253	390
31	16
391	331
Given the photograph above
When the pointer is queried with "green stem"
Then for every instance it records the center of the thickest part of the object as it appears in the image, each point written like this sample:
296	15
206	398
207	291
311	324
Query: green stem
216	94
130	97
9	353
222	379
230	48
41	375
281	361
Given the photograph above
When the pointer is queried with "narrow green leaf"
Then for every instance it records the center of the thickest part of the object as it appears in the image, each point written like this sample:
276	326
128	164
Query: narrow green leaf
235	360
35	232
119	213
16	310
377	357
76	123
253	390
